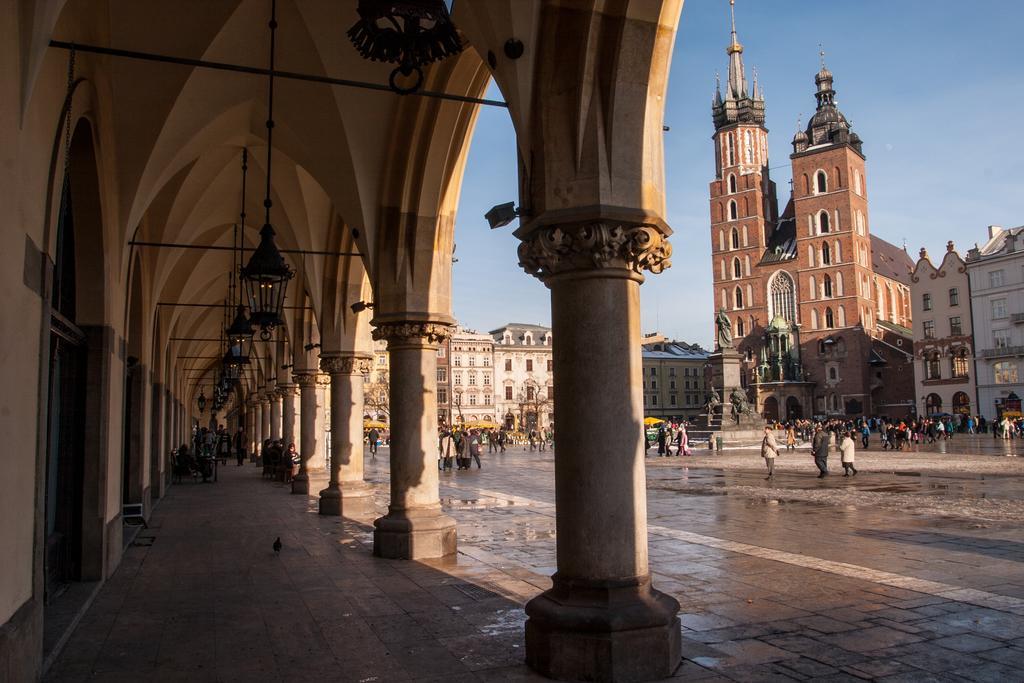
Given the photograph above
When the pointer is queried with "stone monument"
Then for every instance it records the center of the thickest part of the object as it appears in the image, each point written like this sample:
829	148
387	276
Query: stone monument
728	414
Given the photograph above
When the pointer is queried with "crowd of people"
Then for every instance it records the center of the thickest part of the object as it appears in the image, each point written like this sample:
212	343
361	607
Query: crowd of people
897	434
460	447
671	439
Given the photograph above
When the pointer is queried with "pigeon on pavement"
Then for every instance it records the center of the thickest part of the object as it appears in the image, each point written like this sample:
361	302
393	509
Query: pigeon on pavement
277	545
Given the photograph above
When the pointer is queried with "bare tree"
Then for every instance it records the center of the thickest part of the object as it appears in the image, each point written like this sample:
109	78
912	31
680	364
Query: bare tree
377	396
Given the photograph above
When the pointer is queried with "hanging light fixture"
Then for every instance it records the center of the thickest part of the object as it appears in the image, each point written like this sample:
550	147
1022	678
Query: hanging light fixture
267	274
410	33
239	332
201	402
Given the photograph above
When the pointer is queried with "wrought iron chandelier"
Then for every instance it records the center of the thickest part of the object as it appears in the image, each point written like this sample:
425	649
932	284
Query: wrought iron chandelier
409	33
266	275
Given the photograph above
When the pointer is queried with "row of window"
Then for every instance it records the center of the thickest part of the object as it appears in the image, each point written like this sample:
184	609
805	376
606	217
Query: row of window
956	328
954	299
1005	372
652	400
485	361
672	385
687	372
821	182
960	365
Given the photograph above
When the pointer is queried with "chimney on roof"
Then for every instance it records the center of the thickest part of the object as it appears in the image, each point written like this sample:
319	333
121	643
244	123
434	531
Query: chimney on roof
994	230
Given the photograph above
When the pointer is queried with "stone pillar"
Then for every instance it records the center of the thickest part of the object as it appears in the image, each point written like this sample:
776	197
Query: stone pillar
602	619
414	526
275	414
287	394
264	419
346	489
307	429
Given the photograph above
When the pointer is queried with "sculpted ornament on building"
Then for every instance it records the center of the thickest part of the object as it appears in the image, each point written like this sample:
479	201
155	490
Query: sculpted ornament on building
406	332
346	365
286	389
554	250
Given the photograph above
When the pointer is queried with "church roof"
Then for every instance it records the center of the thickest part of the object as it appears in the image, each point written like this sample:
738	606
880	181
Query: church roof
890	261
782	242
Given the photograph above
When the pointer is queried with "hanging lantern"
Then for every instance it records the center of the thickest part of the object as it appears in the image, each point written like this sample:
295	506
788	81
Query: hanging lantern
201	401
409	33
239	337
266	279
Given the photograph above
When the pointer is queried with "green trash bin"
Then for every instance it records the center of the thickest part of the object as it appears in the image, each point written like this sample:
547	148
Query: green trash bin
718	444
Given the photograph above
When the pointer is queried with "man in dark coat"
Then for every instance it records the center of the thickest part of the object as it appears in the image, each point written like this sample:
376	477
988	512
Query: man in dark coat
819	447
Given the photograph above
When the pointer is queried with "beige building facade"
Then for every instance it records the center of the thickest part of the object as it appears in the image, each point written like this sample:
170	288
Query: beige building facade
944	347
674	378
471	363
524	392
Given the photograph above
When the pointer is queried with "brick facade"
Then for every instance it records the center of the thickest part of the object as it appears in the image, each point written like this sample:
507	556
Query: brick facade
814	274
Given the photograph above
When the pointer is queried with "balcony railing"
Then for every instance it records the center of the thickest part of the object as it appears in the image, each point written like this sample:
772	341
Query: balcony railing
1017	317
1003	352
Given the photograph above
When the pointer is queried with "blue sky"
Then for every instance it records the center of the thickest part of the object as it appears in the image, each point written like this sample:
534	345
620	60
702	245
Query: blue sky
934	87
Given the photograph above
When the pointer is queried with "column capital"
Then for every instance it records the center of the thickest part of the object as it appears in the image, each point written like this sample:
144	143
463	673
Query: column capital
286	389
348	364
412	332
305	379
602	247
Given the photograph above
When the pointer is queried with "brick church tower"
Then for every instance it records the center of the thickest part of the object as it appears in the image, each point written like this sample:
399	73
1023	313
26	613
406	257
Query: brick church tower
819	306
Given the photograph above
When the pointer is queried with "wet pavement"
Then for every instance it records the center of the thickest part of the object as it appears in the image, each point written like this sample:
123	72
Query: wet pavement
910	571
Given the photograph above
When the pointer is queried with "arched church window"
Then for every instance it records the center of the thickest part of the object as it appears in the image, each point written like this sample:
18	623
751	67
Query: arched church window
814	288
746	242
826	286
842	316
749	147
740	332
856	182
721	234
730	141
738	298
839	284
814	319
737	269
821	182
732	183
781	296
721	269
838	176
823	222
826	254
807	185
735	238
734	211
746	266
830	320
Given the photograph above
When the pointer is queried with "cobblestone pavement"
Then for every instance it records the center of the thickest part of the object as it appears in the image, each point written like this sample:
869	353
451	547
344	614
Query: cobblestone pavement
799	579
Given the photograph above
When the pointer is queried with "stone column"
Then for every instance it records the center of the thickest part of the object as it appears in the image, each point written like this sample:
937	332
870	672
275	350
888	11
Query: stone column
346	489
275	414
602	619
287	394
307	429
264	419
414	526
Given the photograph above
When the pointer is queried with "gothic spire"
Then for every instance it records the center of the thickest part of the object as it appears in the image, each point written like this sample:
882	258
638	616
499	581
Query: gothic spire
737	89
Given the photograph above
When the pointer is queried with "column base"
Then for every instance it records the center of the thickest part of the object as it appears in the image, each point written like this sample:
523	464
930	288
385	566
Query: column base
414	535
300	484
603	631
330	501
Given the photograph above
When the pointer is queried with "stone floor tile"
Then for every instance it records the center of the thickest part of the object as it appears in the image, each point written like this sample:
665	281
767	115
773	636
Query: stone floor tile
868	639
967	642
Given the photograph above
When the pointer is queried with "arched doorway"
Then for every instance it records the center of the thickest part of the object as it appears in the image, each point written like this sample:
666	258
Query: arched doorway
510	421
933	404
961	403
794	411
771	408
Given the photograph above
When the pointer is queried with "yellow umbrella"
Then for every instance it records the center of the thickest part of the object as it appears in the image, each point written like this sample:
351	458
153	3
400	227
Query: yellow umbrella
482	424
648	421
374	424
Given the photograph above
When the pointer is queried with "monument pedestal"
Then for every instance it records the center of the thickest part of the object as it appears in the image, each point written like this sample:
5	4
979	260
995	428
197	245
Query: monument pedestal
736	429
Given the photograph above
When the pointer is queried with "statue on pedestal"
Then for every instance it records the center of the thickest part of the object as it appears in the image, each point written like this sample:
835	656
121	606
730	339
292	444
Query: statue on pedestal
723	334
739	403
713	402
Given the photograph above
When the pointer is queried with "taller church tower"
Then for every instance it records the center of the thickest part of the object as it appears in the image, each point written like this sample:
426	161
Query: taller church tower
743	204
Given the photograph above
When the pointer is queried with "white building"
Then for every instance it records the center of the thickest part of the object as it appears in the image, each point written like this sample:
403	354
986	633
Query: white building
943	335
524	395
996	271
471	357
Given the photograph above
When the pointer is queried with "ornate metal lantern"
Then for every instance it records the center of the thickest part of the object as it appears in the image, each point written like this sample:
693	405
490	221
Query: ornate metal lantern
239	336
410	33
266	278
201	402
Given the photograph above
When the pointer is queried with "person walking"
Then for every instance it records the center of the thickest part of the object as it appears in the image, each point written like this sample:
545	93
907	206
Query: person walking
446	446
661	441
239	445
846	451
475	448
791	437
865	434
373	437
819	447
769	450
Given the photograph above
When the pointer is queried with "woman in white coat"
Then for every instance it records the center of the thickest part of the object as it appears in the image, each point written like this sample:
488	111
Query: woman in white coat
769	449
846	450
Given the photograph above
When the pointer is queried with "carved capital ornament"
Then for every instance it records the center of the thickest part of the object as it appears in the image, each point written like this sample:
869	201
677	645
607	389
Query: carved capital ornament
412	332
346	365
594	246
